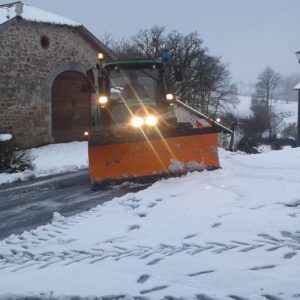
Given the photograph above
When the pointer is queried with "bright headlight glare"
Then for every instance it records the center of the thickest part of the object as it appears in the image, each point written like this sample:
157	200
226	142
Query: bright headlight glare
151	120
137	122
103	100
169	97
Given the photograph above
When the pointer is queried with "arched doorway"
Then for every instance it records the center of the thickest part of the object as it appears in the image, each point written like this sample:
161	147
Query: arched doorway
71	106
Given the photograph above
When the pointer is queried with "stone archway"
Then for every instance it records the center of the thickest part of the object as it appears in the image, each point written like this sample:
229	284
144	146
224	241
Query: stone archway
71	106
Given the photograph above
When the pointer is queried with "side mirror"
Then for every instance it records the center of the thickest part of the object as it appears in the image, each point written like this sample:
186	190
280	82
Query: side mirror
100	84
178	73
91	76
103	83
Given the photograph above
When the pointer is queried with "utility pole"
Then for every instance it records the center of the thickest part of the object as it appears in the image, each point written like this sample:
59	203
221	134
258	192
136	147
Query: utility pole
298	121
231	143
297	87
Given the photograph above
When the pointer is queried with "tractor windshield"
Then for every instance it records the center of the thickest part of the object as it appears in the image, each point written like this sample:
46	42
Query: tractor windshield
134	84
132	91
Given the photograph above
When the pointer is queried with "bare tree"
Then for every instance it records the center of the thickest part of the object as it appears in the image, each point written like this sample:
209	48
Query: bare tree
267	82
206	82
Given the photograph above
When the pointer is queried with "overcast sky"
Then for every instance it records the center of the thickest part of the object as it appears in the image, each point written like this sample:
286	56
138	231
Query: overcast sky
248	34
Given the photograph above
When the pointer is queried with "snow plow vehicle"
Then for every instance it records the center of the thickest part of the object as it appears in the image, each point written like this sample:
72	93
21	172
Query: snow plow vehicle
135	134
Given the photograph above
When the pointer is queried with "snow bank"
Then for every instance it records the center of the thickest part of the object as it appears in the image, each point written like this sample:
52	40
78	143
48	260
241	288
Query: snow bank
5	137
33	14
233	233
52	159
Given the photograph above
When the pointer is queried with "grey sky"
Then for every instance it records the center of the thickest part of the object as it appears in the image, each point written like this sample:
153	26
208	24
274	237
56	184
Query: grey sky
248	34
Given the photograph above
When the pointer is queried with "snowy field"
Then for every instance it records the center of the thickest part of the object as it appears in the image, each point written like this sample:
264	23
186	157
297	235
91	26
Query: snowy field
233	233
52	159
243	109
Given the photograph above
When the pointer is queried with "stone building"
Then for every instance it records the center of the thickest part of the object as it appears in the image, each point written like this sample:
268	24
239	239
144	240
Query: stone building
45	95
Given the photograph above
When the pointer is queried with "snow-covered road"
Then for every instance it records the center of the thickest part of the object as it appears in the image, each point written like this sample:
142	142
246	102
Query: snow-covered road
26	205
229	234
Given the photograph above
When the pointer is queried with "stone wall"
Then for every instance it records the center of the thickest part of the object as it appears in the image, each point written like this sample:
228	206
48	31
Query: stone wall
183	115
31	56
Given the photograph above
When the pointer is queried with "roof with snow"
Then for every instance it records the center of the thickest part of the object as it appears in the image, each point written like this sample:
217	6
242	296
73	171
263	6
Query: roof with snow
297	87
19	9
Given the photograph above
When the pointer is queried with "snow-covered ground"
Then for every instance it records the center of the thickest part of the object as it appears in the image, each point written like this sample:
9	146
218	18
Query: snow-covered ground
52	159
233	233
289	112
243	108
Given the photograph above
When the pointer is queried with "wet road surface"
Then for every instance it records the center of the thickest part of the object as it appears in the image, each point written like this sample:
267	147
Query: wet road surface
26	205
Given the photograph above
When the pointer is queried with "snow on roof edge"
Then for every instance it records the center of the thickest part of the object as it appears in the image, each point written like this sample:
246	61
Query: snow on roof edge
11	10
297	86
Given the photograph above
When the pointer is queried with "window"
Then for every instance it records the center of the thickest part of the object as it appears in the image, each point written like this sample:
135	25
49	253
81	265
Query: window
44	42
130	84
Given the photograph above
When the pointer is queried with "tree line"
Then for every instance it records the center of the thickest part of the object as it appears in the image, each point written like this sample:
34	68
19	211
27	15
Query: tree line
266	124
206	82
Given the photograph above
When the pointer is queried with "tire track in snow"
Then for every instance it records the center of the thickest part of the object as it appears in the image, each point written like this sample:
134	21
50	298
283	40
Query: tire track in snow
17	257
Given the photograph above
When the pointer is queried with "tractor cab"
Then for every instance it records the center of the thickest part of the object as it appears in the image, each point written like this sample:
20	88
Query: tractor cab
132	96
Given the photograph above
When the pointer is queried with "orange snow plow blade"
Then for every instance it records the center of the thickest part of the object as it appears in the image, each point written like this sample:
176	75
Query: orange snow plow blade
153	156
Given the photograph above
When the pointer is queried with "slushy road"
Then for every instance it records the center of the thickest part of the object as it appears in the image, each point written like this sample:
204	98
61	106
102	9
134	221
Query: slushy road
26	205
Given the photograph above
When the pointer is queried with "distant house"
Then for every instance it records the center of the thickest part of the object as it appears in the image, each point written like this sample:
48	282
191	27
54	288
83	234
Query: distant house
45	95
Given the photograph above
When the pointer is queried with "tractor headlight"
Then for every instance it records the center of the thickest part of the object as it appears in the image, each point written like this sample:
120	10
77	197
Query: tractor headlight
137	122
102	100
151	120
169	97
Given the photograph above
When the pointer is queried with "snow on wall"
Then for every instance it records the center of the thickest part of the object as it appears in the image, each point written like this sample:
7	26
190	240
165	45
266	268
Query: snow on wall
32	14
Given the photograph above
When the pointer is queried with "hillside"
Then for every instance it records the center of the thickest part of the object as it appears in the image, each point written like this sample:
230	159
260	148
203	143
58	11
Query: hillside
243	109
